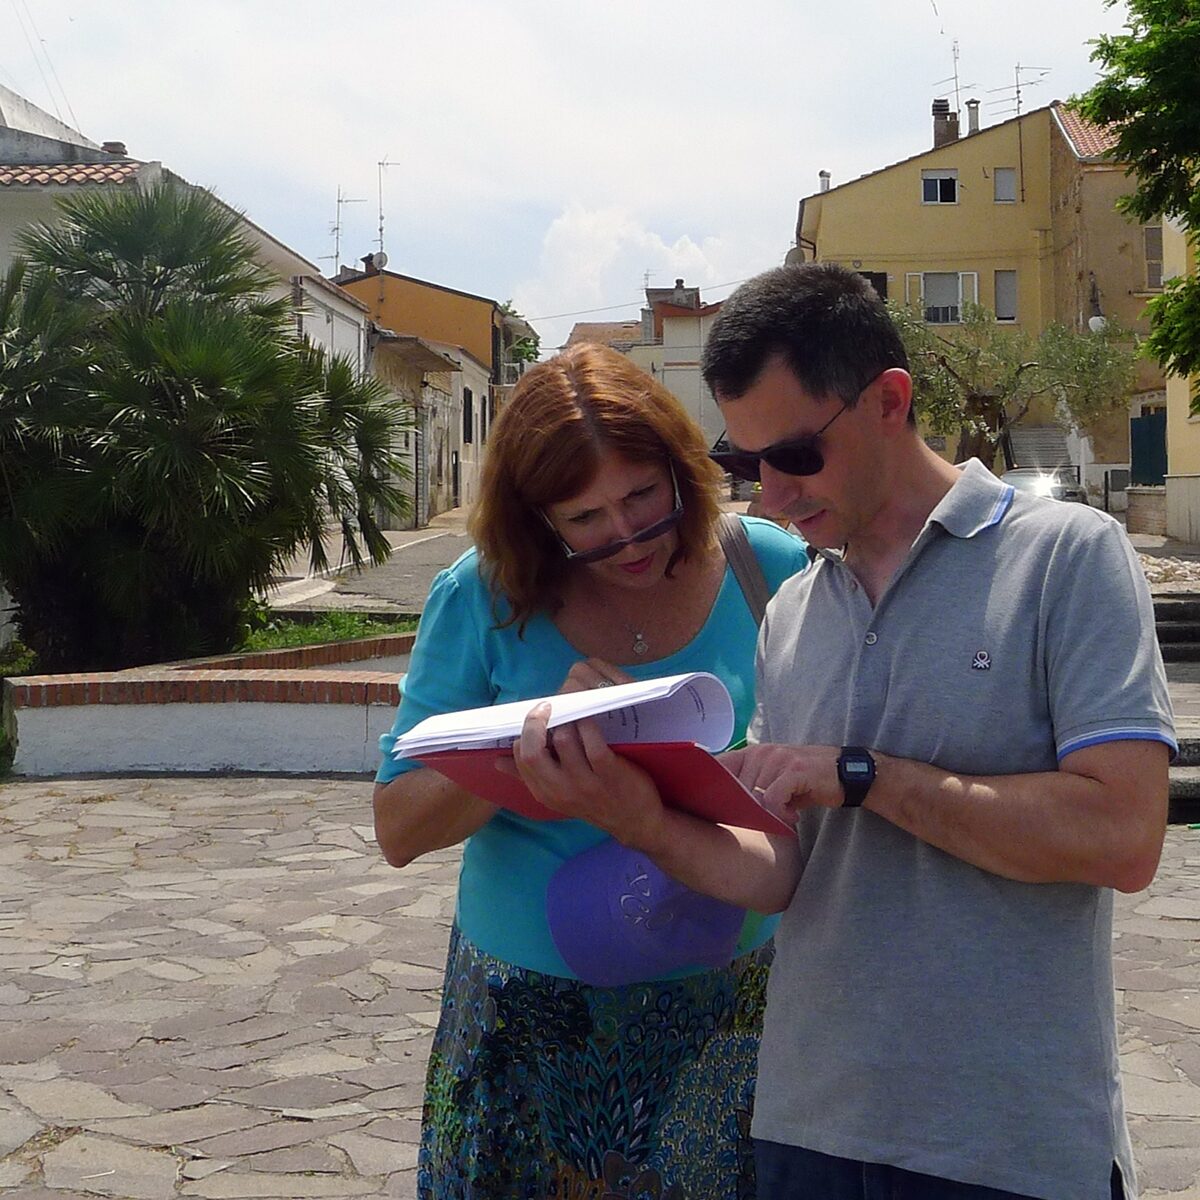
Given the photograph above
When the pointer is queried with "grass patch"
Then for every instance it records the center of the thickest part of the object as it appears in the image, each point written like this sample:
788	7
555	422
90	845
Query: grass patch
279	633
16	659
265	630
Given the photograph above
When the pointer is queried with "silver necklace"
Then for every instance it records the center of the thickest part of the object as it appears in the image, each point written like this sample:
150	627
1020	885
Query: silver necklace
640	645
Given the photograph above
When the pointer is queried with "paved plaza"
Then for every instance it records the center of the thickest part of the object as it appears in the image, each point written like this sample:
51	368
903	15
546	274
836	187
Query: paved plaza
216	988
212	988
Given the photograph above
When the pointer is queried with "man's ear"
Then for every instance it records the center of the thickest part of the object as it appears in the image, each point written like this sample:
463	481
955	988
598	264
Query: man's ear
894	387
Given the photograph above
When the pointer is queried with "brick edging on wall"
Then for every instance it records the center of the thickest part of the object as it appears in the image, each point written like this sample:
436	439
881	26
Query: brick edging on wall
319	655
270	677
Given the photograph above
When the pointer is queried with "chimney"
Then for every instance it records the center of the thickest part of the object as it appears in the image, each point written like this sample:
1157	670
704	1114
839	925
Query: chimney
945	124
972	117
117	148
823	176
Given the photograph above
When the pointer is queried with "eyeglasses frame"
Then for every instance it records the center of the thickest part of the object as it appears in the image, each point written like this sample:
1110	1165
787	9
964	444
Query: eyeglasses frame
648	534
745	464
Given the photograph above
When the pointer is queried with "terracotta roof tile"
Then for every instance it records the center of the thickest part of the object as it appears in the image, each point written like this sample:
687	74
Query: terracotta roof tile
605	332
66	174
1087	140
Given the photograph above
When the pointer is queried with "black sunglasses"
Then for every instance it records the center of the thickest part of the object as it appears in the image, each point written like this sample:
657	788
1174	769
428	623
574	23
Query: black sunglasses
800	457
642	535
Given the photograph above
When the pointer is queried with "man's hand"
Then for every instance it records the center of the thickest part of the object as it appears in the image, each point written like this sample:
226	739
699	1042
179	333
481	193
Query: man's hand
572	770
786	780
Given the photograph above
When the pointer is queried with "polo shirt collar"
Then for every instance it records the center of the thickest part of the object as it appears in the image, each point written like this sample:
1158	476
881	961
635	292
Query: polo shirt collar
977	501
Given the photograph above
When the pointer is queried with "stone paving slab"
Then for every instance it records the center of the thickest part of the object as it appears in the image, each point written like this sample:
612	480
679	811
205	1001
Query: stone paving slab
207	988
193	1005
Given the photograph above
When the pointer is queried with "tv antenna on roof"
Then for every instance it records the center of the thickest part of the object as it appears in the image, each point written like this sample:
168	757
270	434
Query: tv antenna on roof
958	87
1014	96
383	162
336	227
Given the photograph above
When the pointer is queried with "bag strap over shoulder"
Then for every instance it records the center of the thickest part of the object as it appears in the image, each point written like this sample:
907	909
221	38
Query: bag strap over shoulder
746	567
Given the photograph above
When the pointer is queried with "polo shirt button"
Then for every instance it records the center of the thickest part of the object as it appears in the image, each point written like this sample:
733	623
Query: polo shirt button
872	638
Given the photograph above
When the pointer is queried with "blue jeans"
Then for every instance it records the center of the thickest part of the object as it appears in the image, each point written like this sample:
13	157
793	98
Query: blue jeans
793	1173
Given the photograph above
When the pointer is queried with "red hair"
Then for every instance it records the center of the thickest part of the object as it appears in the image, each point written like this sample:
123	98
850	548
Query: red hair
546	446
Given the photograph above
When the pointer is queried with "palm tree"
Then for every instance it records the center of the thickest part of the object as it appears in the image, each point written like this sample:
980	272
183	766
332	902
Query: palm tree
166	441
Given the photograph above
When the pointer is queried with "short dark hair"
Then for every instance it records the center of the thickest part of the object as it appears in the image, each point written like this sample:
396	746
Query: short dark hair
826	322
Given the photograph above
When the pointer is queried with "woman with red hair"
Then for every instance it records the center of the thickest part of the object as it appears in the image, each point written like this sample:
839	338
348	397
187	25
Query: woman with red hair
562	1065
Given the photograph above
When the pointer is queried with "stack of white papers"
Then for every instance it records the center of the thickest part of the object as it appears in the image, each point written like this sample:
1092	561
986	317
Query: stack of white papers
695	707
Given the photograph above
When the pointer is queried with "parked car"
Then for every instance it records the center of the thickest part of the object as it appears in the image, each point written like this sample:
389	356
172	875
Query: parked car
1058	483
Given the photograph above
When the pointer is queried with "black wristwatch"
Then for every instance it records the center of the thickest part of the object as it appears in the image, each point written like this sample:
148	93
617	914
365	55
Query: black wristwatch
856	773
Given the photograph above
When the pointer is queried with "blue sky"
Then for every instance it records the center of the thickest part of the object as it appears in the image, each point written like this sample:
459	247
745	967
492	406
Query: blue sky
547	151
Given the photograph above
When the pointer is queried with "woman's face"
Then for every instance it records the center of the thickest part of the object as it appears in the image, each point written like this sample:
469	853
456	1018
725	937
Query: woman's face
624	499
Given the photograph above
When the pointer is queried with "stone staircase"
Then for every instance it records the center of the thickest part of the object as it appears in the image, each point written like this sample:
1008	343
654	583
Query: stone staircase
1177	620
1039	446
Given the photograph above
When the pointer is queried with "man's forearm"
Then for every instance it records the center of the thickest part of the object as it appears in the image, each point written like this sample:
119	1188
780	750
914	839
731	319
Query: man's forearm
744	867
1091	824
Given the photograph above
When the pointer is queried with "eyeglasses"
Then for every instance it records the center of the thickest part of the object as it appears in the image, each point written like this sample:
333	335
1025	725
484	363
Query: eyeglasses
642	535
800	457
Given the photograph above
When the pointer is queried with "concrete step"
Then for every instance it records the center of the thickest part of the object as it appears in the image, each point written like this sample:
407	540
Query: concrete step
1177	608
1184	796
1177	631
1189	749
1180	651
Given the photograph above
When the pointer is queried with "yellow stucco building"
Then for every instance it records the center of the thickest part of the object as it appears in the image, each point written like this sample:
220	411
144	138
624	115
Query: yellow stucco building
454	410
1019	217
1183	429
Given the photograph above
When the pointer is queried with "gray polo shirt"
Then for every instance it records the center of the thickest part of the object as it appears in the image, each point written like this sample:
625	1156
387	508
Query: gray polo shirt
923	1012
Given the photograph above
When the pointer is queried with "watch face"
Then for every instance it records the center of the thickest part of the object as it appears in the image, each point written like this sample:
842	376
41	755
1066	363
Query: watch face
856	768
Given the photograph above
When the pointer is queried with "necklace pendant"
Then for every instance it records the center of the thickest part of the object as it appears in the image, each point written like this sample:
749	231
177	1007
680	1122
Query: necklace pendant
640	645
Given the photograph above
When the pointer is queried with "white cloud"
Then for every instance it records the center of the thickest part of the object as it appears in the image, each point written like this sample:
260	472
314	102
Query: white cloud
543	150
593	258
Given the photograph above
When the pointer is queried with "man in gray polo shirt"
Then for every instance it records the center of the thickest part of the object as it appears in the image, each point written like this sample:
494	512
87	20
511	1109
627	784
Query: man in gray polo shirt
962	710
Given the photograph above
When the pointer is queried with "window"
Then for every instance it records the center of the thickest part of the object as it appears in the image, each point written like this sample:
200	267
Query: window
939	187
1006	295
942	294
878	280
1152	245
468	417
1004	181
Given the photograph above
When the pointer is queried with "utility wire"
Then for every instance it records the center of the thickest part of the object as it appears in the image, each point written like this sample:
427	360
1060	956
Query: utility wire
36	61
50	63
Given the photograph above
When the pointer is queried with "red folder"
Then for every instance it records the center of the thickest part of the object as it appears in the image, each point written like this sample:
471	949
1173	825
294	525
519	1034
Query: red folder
688	778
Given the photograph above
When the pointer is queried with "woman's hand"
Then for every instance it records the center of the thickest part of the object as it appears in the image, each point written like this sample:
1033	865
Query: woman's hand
786	780
572	770
593	673
421	811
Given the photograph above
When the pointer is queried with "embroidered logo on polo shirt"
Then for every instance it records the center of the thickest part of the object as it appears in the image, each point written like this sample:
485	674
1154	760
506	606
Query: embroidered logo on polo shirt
983	661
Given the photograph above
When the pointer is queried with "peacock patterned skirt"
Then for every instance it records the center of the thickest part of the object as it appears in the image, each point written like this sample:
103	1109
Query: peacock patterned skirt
542	1088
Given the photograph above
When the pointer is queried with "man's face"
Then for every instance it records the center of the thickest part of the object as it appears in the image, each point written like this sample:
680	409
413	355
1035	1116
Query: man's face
838	501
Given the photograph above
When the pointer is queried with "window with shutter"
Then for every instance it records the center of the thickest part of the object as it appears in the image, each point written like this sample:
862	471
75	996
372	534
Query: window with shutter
939	187
1004	184
1152	245
1006	295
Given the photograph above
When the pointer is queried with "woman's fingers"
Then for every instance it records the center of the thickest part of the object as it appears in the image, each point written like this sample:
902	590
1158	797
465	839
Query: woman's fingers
593	673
